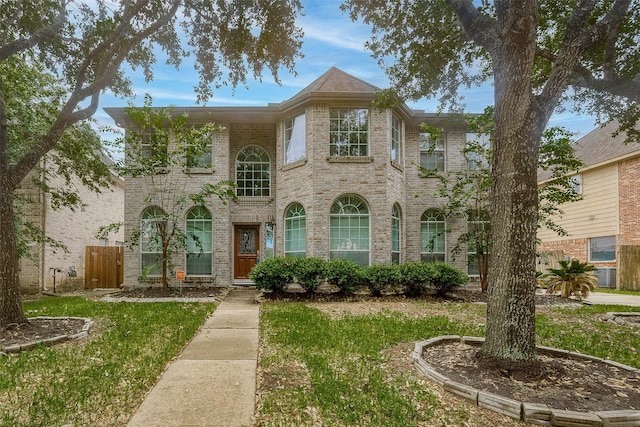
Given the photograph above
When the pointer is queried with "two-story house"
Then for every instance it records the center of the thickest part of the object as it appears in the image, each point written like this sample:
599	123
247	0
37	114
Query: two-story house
322	174
604	227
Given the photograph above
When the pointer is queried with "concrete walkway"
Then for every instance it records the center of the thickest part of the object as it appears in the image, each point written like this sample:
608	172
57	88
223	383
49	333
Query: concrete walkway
614	299
213	381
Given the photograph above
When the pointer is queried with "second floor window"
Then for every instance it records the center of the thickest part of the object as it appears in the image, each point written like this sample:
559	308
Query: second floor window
349	132
432	152
294	139
199	155
396	139
253	172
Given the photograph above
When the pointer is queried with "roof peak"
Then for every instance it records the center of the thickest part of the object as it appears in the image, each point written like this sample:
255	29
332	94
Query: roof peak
334	80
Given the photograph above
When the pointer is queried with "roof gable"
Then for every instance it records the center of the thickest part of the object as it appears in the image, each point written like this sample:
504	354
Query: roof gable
335	83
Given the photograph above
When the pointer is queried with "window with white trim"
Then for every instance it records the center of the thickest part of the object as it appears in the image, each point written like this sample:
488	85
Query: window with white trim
395	234
396	139
151	240
349	230
432	151
253	172
348	132
199	155
294	139
432	236
576	183
199	231
295	231
602	249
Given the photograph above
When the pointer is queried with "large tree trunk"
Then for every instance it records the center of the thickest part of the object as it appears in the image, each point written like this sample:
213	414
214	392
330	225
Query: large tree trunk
510	340
10	301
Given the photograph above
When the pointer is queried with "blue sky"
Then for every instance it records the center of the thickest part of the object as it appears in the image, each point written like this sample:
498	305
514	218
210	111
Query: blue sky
331	39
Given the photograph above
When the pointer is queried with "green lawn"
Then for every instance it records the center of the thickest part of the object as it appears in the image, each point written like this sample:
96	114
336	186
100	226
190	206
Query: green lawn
98	381
616	291
339	370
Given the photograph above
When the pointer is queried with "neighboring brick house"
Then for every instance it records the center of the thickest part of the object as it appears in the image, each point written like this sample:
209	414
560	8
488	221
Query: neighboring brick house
322	174
74	229
608	216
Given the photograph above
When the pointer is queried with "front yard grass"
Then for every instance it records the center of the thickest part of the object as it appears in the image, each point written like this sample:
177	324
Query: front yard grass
353	369
101	380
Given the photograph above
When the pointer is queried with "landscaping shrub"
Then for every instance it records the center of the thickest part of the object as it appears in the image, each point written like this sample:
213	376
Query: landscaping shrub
273	273
345	274
309	272
416	277
382	276
572	278
446	278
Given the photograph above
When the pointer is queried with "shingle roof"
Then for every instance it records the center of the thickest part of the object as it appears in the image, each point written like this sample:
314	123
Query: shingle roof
600	147
335	82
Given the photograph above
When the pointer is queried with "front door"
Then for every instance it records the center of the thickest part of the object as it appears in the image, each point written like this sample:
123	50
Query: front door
246	248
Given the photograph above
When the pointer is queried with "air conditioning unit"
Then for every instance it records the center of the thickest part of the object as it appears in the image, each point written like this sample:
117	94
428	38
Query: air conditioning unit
606	277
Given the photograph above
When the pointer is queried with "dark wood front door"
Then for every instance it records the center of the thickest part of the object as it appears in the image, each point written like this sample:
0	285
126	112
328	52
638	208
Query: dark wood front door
246	249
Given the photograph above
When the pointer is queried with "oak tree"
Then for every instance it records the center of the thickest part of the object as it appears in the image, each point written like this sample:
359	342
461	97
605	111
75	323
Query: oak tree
541	56
88	44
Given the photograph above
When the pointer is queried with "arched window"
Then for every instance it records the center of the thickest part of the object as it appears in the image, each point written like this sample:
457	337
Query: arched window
432	236
295	231
349	230
395	234
151	240
253	175
199	242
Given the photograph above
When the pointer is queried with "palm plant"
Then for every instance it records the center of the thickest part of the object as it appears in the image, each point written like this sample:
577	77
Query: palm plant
572	278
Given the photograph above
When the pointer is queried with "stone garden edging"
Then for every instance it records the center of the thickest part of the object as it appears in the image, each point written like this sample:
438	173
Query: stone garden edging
17	348
528	412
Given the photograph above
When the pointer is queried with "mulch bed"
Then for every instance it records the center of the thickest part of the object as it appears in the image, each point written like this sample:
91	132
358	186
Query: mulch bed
564	383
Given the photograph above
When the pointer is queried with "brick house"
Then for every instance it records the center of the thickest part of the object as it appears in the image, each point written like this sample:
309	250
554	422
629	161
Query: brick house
607	219
75	229
321	174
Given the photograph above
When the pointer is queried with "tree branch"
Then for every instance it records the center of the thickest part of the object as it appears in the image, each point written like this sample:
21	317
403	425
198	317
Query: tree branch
41	34
479	27
113	51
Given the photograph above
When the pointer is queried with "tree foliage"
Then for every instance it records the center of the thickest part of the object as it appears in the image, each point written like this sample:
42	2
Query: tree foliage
467	192
161	150
88	45
541	56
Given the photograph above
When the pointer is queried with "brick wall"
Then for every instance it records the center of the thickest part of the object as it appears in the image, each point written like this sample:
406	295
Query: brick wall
76	230
629	201
316	182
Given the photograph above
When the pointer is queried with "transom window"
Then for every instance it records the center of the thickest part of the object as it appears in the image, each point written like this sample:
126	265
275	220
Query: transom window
349	132
253	175
151	241
295	139
396	139
395	234
349	230
295	231
602	248
199	242
432	236
432	151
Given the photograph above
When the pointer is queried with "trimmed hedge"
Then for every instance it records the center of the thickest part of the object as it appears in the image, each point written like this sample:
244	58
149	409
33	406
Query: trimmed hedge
446	278
416	278
345	274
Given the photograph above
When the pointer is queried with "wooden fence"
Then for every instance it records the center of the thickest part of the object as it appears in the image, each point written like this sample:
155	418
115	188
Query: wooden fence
629	268
103	267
